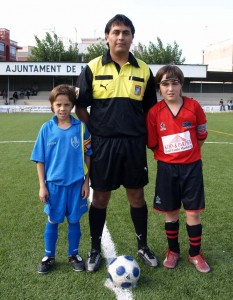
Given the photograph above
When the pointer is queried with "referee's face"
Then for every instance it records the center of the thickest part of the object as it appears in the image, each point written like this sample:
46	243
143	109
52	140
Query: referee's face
119	39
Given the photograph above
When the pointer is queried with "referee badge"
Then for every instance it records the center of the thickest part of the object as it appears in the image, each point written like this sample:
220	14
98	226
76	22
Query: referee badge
137	90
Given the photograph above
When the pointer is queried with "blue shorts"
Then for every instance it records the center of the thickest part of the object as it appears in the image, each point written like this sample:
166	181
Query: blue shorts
178	184
65	201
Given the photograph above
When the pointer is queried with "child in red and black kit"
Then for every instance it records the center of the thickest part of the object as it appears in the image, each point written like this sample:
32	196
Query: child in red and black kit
176	131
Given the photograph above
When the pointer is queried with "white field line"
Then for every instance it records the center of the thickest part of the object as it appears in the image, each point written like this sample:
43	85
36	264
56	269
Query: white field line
9	142
223	143
107	244
109	252
108	249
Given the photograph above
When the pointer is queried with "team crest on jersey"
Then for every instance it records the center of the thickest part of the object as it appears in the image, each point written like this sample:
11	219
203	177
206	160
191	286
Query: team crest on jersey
187	124
137	90
75	142
162	127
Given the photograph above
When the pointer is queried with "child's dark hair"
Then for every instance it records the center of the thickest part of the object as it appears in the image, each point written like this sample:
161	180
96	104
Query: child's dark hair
118	19
172	72
63	89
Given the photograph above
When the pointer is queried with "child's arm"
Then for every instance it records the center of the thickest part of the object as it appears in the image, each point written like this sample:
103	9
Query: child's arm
86	186
43	192
82	114
201	142
152	149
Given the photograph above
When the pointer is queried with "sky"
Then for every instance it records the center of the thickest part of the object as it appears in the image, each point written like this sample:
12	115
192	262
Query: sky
193	25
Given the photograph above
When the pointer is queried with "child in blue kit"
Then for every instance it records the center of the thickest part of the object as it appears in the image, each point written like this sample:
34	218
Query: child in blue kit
62	153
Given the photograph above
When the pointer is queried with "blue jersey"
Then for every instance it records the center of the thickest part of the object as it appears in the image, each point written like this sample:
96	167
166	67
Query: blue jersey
62	151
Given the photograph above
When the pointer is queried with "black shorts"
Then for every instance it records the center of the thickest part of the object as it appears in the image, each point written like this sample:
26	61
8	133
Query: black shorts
118	161
178	184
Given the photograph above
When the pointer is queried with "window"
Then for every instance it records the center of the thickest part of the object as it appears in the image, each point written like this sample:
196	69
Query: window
12	51
2	49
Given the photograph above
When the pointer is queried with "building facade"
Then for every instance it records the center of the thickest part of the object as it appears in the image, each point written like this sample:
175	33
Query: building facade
219	57
8	48
23	53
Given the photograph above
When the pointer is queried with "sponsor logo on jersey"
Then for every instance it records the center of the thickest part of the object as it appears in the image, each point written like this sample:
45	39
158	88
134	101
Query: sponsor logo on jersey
177	142
75	142
187	124
104	86
51	144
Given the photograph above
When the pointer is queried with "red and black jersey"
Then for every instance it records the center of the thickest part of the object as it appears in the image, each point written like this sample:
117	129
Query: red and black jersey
175	138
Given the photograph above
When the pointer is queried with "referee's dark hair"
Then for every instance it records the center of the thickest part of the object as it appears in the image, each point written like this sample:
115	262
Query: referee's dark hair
118	19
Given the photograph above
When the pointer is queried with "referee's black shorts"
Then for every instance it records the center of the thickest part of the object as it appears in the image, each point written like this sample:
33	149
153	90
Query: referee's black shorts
178	184
118	161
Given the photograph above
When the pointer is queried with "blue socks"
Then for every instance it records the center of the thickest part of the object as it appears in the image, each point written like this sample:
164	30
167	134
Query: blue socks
74	235
51	235
50	239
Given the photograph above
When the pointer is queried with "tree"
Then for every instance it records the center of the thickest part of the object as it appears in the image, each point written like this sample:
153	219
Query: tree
159	54
52	49
94	51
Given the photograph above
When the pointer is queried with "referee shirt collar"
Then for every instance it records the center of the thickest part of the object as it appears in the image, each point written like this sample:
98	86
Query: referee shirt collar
106	59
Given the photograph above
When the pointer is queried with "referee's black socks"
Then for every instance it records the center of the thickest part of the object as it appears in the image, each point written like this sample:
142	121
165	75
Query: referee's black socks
139	217
97	217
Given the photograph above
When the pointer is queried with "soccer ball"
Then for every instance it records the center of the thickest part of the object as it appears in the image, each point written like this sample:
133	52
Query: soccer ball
124	271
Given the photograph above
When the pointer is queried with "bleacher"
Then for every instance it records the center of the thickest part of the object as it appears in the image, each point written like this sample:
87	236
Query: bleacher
42	99
208	99
211	99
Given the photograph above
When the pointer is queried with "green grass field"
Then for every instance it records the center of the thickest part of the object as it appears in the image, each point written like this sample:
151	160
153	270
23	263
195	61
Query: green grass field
22	224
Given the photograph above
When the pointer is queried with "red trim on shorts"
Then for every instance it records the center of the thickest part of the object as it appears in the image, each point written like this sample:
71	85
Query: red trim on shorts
165	211
193	210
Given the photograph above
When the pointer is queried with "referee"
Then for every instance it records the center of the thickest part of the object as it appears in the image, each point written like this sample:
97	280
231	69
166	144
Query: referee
119	89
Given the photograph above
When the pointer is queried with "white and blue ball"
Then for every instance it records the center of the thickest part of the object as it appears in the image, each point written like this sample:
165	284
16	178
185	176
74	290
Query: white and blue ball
124	272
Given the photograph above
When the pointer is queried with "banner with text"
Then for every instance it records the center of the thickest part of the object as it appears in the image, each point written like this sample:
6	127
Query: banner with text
45	68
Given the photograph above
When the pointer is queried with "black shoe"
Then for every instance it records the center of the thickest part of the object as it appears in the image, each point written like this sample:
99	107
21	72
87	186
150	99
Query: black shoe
148	256
77	263
46	265
93	261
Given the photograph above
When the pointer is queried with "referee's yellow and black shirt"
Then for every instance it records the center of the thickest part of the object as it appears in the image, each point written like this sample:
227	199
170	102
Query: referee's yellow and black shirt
118	97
